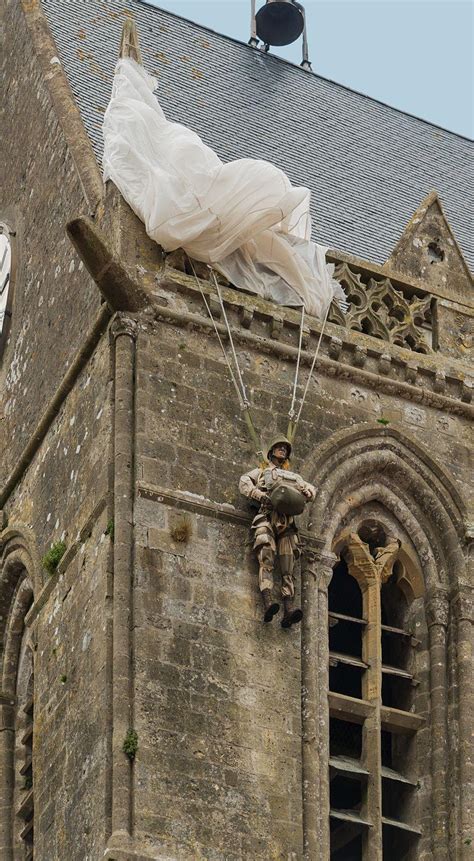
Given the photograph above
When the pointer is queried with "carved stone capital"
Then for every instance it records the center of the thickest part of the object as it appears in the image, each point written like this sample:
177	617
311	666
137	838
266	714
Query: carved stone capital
437	609
463	604
318	564
122	324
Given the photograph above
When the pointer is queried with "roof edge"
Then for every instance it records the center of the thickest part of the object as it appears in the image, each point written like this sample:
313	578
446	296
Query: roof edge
296	66
67	111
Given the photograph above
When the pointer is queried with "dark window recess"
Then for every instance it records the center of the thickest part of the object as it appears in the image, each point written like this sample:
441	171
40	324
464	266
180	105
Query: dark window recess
344	595
393	602
386	743
351	848
397	693
396	650
398	845
344	679
345	793
345	739
397	800
345	637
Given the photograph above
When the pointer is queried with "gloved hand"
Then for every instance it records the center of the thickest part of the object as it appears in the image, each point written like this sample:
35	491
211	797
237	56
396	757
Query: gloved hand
262	497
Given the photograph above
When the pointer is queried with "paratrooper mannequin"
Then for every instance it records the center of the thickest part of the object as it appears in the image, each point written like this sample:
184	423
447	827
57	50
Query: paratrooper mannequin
280	495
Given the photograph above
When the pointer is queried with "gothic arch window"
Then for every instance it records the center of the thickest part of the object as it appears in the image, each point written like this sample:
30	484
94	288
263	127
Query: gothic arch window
372	684
7	268
17	704
23	801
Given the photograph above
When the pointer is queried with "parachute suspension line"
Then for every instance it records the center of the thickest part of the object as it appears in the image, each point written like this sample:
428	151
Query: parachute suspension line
241	393
245	405
208	309
229	333
293	424
291	412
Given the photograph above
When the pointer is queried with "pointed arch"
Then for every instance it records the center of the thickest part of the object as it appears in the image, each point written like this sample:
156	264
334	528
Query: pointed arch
369	463
19	574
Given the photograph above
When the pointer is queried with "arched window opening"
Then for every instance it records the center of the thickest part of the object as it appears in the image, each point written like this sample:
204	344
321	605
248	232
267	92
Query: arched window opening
371	698
348	777
17	683
346	666
399	779
23	766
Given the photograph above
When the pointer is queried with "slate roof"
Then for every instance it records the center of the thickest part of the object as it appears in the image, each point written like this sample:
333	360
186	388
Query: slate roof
368	166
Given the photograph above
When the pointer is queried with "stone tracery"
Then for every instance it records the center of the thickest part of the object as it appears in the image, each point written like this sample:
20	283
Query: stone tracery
377	308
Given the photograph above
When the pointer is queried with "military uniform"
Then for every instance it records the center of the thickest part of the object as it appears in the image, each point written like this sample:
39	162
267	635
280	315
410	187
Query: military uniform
274	533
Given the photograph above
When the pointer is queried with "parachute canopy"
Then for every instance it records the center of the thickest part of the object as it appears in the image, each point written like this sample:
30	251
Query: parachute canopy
243	218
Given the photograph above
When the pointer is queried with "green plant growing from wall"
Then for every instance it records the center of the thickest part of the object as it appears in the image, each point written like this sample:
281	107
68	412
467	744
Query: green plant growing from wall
130	744
53	557
109	529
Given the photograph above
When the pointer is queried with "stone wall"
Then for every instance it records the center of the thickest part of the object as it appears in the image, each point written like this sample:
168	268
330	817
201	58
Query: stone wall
217	694
54	300
64	496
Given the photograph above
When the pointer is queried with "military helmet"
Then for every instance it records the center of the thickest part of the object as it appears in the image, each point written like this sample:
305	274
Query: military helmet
279	439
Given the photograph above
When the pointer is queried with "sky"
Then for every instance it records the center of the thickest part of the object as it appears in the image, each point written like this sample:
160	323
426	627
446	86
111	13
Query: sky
415	55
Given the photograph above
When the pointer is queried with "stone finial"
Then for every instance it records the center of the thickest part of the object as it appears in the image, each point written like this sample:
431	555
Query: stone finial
129	43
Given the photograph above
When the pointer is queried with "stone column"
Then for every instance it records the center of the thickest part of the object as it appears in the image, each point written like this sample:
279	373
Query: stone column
462	606
124	332
316	575
372	692
437	616
370	573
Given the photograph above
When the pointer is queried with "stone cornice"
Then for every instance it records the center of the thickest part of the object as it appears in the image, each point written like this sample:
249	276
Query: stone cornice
425	379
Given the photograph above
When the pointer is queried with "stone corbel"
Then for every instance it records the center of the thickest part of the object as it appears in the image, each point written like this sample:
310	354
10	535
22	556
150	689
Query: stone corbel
385	364
360	356
439	384
276	326
245	316
411	372
335	348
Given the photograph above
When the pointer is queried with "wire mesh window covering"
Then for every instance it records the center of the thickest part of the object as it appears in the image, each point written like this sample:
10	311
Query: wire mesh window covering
352	765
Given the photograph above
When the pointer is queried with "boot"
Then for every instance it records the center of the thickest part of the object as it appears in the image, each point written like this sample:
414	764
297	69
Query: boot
291	614
271	607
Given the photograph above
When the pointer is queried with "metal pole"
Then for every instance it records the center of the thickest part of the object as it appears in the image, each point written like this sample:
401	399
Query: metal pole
253	41
305	63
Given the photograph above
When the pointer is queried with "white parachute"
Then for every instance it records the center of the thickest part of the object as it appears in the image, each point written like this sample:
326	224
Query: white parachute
244	218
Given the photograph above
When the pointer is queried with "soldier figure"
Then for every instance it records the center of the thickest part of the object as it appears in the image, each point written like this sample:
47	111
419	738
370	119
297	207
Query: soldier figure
279	496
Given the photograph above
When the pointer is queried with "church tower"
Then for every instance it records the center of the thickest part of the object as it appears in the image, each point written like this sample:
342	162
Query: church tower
146	712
